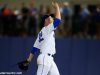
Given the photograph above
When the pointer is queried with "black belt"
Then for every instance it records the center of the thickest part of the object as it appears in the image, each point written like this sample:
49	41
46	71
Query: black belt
49	54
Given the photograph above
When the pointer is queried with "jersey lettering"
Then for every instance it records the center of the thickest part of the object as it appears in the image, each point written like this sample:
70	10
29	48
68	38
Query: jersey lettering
40	37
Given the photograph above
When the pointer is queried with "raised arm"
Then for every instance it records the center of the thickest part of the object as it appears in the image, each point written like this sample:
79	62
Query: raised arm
57	10
57	19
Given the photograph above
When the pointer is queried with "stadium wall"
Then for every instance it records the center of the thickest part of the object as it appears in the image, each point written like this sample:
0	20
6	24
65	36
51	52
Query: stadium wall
74	56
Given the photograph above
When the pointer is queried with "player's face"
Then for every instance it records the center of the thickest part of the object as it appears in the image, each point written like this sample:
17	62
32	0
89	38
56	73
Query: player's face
49	20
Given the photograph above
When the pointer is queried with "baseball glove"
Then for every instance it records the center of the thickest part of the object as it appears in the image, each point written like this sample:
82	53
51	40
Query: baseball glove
23	65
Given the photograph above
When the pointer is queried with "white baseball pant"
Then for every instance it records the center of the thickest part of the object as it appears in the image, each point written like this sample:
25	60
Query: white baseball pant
46	65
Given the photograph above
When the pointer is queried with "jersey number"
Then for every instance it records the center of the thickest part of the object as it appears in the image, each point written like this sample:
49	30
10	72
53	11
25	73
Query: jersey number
40	37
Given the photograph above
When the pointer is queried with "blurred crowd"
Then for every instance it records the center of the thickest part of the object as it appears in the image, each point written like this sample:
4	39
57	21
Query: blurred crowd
77	20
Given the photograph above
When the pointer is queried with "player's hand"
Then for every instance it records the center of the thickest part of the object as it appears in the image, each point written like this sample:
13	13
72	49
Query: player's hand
55	4
23	65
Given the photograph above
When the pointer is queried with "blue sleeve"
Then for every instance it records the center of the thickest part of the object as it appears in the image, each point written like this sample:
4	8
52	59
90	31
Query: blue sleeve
56	22
34	50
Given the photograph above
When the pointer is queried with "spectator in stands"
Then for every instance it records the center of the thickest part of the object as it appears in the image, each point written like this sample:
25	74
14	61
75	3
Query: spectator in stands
32	30
92	23
66	14
76	20
98	22
24	20
6	12
16	16
85	20
13	22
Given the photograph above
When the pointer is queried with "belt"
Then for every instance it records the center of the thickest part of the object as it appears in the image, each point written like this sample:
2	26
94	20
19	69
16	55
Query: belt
49	54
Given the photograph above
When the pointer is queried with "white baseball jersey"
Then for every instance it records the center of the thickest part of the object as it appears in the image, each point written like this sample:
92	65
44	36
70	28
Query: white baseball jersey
46	40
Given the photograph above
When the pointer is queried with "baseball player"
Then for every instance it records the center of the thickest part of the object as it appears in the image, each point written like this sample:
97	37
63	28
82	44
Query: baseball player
45	42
